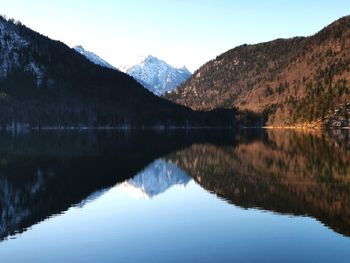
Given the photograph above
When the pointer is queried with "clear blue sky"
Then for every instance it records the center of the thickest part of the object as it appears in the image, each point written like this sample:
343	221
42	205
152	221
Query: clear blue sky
182	32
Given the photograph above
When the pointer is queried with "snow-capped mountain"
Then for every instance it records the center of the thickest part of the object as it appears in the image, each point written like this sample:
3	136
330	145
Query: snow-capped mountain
93	57
157	76
155	179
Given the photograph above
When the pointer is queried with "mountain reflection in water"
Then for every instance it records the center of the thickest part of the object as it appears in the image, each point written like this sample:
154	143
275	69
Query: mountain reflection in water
281	171
155	179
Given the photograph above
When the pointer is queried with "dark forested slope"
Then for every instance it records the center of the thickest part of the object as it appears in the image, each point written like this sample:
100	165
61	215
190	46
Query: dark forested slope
45	83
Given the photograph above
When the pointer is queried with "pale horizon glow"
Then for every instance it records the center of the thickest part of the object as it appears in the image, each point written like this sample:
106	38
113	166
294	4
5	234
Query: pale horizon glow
182	33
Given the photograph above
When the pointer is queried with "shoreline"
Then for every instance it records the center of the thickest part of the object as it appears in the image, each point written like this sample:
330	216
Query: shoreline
162	128
306	128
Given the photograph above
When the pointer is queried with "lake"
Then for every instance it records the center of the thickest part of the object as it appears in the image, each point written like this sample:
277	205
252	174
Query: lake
175	196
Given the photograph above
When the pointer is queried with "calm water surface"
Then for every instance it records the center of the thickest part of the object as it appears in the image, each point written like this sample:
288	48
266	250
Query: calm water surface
188	196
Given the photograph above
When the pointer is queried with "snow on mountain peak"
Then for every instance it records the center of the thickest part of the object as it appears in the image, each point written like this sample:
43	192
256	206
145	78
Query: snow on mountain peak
150	57
93	57
156	75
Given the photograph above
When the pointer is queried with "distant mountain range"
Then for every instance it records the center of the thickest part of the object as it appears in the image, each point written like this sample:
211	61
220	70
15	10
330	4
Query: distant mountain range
157	76
93	57
152	73
44	83
300	81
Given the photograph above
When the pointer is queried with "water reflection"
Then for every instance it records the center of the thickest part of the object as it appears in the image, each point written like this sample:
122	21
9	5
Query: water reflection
45	173
155	179
286	172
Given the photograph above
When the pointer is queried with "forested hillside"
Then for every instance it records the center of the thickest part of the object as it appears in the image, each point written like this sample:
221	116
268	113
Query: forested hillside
294	81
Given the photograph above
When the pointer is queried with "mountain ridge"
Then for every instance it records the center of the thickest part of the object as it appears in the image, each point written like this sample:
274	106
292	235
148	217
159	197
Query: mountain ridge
93	57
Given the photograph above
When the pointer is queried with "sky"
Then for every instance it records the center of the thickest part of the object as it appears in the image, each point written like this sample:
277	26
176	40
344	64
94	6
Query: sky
181	32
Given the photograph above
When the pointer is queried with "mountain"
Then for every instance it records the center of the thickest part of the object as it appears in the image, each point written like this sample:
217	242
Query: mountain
297	81
44	83
155	179
158	76
93	57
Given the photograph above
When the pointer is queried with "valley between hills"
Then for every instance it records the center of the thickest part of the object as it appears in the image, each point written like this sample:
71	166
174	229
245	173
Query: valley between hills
302	82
